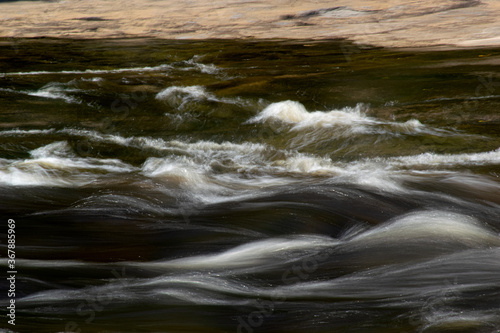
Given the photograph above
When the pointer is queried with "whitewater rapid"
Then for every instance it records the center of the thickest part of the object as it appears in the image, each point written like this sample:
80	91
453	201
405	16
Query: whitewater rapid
251	187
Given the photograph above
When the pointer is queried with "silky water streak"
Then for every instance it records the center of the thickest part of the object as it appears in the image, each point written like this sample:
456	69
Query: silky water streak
243	186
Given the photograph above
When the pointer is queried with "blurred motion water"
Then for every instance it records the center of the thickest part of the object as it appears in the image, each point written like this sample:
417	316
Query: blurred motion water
242	186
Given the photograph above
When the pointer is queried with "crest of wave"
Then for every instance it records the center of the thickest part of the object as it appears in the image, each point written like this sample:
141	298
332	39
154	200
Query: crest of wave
317	126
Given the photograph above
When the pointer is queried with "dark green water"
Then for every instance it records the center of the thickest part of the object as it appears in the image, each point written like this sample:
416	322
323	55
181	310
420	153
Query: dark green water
243	186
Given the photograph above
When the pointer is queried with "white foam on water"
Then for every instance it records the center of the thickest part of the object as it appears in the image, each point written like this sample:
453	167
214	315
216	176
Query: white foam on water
20	132
56	165
289	111
97	71
194	92
372	175
92	79
180	96
210	171
240	154
341	123
193	64
388	173
58	90
197	155
53	95
249	165
53	90
14	175
308	164
365	172
85	164
181	170
208	69
97	136
256	165
431	159
226	168
55	149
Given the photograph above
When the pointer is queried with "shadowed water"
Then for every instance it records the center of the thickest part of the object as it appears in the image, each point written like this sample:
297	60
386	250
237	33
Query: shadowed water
231	186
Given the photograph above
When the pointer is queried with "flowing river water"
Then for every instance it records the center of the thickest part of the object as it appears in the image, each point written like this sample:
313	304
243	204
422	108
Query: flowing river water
250	186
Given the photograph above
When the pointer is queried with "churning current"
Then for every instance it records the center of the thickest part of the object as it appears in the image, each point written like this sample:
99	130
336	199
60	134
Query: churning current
243	186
